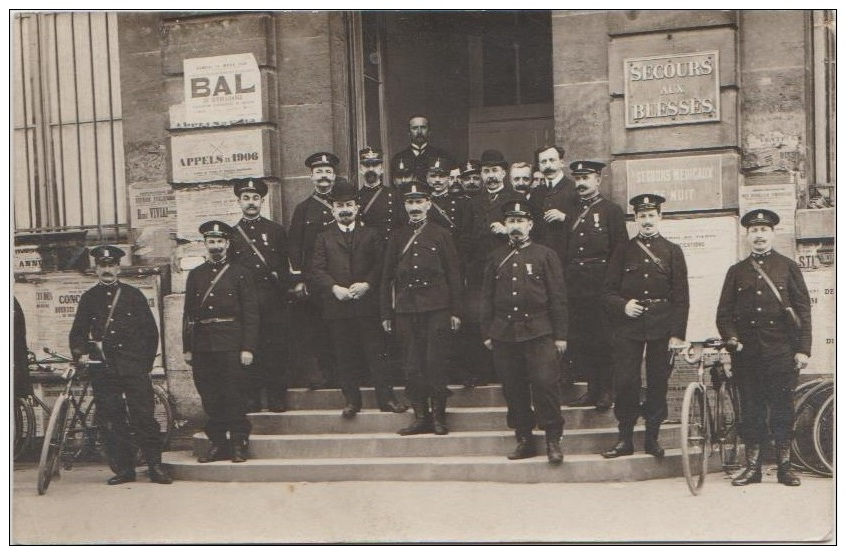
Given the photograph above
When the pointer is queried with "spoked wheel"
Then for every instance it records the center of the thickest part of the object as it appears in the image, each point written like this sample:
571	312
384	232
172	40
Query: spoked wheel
54	438
824	435
726	423
694	437
24	427
803	450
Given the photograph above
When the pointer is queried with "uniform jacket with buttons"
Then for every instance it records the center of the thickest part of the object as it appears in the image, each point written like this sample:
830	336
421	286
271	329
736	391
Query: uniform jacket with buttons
131	339
233	297
419	163
310	218
632	275
424	278
477	240
448	211
750	312
561	197
591	245
523	295
385	211
337	261
271	240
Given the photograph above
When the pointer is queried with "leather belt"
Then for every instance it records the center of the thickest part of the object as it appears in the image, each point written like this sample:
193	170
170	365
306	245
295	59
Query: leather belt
654	300
214	320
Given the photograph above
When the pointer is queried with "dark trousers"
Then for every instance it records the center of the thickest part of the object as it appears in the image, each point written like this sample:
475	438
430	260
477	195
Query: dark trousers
221	381
269	368
426	339
122	400
530	373
628	356
590	345
766	388
471	360
313	353
361	336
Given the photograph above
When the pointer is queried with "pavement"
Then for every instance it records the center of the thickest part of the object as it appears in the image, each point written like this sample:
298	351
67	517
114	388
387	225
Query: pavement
81	508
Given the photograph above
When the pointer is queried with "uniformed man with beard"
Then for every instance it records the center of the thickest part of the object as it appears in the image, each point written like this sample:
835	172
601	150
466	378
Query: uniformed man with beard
471	178
310	217
381	206
446	207
403	177
419	153
524	323
520	176
761	296
455	181
596	228
261	245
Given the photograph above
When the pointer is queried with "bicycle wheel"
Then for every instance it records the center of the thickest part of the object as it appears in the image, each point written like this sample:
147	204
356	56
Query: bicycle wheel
726	422
24	427
163	413
802	448
824	435
694	436
54	438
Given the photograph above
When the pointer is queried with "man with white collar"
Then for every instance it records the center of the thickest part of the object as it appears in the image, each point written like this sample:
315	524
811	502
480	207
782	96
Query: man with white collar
420	152
761	296
553	198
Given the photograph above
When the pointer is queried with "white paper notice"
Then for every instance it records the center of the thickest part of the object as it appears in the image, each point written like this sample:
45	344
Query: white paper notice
223	90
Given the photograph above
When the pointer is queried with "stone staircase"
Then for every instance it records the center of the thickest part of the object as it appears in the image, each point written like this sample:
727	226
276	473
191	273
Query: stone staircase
313	443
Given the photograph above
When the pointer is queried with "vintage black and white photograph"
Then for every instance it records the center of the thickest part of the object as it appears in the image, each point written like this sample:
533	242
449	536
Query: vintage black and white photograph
473	275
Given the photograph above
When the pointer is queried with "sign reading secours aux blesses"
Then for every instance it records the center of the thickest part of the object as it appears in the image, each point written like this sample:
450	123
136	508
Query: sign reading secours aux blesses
220	155
222	90
672	89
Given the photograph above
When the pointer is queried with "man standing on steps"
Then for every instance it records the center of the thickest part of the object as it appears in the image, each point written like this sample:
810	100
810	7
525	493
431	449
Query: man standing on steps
114	324
769	347
647	300
219	339
261	246
419	152
381	206
420	299
346	270
596	228
524	323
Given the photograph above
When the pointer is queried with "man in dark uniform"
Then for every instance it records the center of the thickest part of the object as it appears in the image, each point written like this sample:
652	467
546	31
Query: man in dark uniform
471	178
22	379
310	218
419	153
769	347
647	301
220	337
421	289
455	181
346	270
446	207
553	198
114	325
261	246
596	228
381	207
524	322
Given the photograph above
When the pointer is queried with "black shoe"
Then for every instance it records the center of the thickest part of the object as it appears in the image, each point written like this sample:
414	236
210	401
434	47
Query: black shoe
239	452
349	412
622	449
553	451
787	477
584	401
525	449
318	385
653	448
392	406
216	453
159	475
278	408
124	477
470	383
605	402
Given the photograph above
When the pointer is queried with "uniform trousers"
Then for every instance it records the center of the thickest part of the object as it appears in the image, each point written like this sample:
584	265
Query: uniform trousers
308	331
628	356
121	400
363	336
426	339
530	373
221	381
269	368
589	344
766	387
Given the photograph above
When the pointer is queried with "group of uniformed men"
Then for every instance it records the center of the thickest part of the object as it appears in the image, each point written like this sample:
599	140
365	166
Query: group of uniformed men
523	274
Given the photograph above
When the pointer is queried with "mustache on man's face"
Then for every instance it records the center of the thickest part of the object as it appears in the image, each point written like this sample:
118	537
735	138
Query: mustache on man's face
415	211
548	170
345	214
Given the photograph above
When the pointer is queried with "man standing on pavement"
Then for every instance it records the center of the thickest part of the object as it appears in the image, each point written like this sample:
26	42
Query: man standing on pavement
765	314
596	228
647	301
114	325
524	322
219	338
419	153
346	270
420	299
261	246
310	217
381	207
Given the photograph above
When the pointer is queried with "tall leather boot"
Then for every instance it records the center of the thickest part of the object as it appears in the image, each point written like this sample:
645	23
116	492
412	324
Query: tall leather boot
752	472
240	447
439	415
422	422
785	474
624	445
651	445
553	446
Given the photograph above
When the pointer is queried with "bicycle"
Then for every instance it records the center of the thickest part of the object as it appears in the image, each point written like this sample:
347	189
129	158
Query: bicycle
708	426
73	429
813	427
25	407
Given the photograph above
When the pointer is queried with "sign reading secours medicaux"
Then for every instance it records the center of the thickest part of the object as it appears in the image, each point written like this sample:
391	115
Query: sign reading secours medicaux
672	89
223	90
207	157
689	183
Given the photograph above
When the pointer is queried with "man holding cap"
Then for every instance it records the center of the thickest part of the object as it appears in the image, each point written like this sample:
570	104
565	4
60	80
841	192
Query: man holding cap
765	314
421	290
261	246
647	300
381	207
524	322
219	338
114	325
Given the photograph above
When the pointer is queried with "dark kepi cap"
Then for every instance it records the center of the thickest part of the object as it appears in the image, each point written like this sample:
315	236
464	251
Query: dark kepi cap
321	159
471	166
250	184
107	254
415	190
519	208
215	228
401	168
760	217
493	158
438	164
343	191
586	167
370	155
646	201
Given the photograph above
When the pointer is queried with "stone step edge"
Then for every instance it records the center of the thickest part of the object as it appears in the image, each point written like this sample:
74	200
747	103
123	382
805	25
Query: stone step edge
365	411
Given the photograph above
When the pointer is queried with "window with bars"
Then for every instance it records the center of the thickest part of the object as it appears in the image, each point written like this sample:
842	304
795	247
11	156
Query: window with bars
68	161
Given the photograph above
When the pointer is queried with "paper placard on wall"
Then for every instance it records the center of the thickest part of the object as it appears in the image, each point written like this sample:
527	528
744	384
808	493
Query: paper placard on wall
821	288
223	90
221	155
779	198
691	183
